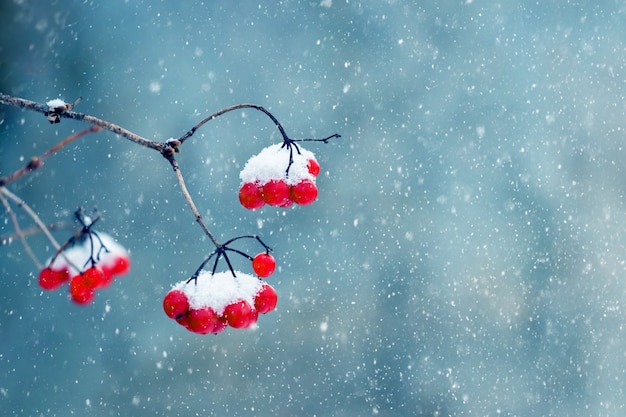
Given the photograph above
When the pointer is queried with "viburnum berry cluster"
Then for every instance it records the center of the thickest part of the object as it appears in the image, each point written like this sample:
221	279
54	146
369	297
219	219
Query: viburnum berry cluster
89	261
210	301
216	301
278	176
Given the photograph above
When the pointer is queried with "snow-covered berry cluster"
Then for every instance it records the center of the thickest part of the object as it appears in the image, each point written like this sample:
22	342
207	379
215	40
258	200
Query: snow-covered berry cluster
279	176
91	263
212	302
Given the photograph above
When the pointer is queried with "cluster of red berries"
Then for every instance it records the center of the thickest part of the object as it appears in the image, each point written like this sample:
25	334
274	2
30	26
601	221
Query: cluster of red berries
106	259
212	302
279	176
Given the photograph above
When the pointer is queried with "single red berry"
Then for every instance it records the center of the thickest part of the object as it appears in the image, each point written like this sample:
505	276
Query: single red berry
80	292
120	265
94	277
239	314
304	192
219	325
275	192
250	196
107	278
314	167
48	279
202	320
263	264
254	316
266	299
175	304
51	279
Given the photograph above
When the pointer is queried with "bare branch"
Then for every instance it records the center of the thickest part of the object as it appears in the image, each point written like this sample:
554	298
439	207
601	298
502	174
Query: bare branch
18	231
133	137
6	239
37	162
66	112
218	113
192	206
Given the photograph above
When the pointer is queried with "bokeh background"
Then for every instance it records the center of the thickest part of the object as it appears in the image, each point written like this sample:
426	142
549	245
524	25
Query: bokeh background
466	254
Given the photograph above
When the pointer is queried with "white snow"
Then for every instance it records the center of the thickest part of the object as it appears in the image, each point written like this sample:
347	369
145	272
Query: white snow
78	255
219	290
271	164
57	102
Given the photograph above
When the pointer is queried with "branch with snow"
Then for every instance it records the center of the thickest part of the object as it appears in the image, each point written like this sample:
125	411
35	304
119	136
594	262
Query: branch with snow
279	176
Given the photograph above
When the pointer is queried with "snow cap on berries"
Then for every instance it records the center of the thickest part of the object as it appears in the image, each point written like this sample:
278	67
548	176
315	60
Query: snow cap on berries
272	162
219	290
78	255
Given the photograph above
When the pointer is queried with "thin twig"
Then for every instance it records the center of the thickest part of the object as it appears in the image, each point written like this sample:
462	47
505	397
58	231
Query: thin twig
23	103
6	239
112	127
22	204
192	206
45	109
18	230
37	162
218	113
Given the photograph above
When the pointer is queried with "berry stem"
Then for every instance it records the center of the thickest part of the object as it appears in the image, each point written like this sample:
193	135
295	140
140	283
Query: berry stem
291	143
87	223
220	251
325	140
225	110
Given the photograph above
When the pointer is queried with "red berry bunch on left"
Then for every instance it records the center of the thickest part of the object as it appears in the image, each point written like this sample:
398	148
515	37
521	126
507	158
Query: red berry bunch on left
212	302
89	264
279	176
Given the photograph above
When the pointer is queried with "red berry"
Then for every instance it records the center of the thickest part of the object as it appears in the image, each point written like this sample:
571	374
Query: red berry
239	314
183	321
314	167
263	264
304	192
275	192
254	316
120	265
94	277
266	299
175	304
80	292
48	279
202	320
219	325
107	277
51	279
250	196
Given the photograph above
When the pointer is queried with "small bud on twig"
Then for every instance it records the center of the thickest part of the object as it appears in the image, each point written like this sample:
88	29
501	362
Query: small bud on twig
34	164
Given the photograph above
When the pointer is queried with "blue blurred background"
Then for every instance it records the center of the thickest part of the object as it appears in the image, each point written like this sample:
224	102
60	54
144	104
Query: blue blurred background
465	256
